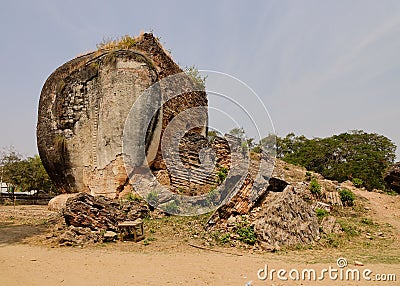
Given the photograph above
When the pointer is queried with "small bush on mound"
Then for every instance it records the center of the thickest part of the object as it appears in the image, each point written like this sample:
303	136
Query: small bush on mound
358	183
221	238
222	174
367	221
321	213
152	198
246	233
314	187
172	207
131	197
347	197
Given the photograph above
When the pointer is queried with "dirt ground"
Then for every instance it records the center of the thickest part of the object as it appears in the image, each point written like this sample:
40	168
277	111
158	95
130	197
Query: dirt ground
26	258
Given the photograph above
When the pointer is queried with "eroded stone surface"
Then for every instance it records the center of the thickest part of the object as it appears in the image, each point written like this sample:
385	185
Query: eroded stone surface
58	203
83	108
101	213
286	221
392	178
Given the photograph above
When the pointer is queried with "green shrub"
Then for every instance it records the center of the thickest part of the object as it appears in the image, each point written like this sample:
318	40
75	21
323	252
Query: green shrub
314	187
147	240
367	221
225	238
246	233
347	197
131	197
221	238
257	149
212	196
222	174
171	207
358	182
308	176
152	198
321	213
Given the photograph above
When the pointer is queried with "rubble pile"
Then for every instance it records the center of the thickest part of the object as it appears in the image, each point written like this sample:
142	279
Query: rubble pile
286	220
90	219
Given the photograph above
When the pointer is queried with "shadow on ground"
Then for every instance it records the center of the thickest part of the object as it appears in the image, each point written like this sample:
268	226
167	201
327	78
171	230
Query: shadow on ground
11	234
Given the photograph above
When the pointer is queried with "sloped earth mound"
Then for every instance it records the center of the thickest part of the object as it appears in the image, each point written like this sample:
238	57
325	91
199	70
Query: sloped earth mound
284	216
289	215
286	220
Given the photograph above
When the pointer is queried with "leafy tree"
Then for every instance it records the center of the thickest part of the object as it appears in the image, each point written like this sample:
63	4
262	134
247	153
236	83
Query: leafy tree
238	132
355	154
357	182
24	173
266	145
247	142
269	142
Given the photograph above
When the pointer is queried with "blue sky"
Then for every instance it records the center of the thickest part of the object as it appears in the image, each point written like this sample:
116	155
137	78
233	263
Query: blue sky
320	67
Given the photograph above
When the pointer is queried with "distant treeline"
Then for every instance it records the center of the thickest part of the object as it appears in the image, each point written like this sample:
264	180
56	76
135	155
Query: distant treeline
24	174
356	155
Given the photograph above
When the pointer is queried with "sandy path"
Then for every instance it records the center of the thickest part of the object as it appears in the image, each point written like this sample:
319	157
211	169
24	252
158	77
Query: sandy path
34	265
169	262
384	208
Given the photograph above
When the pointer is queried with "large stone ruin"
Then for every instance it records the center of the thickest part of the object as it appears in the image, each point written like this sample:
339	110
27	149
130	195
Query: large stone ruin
82	111
87	102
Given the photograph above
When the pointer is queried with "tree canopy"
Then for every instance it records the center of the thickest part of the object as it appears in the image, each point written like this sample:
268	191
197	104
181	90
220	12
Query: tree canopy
24	173
350	155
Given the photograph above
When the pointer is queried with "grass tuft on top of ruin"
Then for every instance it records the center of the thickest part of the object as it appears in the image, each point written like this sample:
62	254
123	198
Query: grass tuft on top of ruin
123	42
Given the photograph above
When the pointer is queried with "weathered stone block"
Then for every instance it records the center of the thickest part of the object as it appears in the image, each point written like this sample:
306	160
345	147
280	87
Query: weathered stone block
82	112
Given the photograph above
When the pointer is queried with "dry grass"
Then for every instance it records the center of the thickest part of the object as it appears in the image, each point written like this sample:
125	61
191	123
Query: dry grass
124	42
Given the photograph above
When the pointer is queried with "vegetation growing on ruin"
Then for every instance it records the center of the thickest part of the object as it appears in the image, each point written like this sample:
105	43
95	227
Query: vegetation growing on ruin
246	232
347	197
315	188
124	42
195	75
222	174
